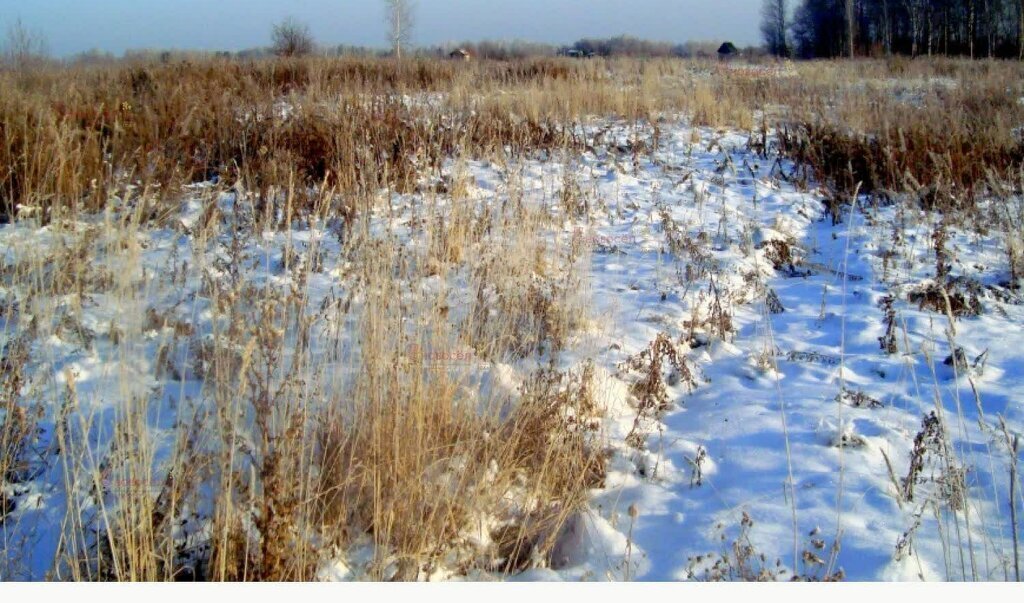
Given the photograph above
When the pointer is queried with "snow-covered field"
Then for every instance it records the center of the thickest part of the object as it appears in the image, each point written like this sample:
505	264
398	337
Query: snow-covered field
789	441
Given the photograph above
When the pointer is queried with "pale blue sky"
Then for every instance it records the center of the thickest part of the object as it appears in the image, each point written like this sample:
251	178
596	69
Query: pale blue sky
72	26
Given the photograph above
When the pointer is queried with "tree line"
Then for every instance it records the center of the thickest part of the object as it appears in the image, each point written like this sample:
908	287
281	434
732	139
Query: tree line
832	28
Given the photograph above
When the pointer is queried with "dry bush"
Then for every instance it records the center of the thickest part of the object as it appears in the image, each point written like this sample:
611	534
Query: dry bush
650	390
955	297
292	39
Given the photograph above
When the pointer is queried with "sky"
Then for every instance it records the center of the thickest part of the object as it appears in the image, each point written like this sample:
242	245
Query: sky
72	26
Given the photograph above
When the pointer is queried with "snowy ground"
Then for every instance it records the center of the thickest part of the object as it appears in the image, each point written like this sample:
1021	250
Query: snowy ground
767	413
797	432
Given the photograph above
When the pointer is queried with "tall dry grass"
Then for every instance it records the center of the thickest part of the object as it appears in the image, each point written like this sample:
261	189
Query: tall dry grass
324	426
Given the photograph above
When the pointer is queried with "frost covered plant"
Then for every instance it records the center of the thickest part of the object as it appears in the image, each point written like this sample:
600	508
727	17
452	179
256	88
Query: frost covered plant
955	298
650	390
557	414
773	303
17	423
780	255
927	441
720	318
697	467
931	449
940	237
1015	257
741	561
574	202
679	245
857	399
699	261
888	340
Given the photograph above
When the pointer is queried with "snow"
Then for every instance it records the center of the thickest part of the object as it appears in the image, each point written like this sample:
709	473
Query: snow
825	341
767	432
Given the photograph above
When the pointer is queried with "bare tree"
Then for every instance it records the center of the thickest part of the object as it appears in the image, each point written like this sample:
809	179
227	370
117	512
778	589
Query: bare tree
849	29
22	47
974	28
915	11
400	21
886	28
292	38
1020	30
774	25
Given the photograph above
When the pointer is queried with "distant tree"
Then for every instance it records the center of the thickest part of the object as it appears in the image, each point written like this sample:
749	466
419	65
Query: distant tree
400	21
22	47
292	38
625	46
850	31
1020	30
974	28
882	15
93	56
497	50
775	27
345	50
916	11
819	28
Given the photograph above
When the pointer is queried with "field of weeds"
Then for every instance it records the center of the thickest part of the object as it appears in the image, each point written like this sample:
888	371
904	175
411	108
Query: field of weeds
340	319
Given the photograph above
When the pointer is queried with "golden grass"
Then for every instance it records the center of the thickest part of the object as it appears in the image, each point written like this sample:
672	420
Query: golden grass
303	446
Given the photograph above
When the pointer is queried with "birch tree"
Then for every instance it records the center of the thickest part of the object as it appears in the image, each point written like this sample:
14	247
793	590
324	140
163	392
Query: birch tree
973	28
400	20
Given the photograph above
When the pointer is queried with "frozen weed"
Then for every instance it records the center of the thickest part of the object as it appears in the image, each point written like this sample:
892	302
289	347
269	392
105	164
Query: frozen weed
650	390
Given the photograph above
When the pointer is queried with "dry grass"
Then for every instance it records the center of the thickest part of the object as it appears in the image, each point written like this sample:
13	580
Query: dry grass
942	133
74	139
303	442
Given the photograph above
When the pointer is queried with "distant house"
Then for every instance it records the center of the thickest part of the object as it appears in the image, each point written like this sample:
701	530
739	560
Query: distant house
728	51
576	53
460	54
